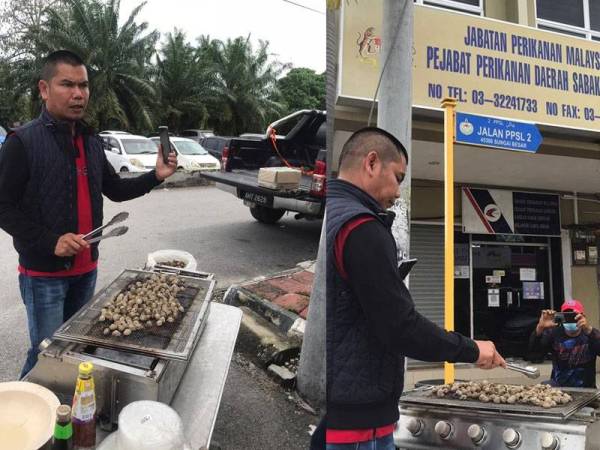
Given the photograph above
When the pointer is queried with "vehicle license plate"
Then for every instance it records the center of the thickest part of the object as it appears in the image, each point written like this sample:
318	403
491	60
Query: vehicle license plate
259	199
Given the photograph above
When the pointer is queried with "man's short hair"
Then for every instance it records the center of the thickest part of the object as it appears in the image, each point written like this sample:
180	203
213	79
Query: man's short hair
59	57
367	139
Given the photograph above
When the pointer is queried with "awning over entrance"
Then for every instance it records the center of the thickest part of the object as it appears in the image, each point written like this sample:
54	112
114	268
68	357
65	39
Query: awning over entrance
490	167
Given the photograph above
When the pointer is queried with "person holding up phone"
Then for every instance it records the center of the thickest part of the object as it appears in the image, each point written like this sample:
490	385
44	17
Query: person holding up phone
572	342
53	178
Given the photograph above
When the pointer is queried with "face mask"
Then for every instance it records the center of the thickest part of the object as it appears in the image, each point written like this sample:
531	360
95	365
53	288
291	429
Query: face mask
571	327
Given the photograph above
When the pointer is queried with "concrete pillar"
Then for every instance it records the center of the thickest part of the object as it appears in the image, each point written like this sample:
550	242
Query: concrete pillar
312	367
395	100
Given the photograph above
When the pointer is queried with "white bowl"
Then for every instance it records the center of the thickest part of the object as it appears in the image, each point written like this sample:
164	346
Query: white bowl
27	415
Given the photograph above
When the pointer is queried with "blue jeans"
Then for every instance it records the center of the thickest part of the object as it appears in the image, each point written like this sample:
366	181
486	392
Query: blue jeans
384	443
50	302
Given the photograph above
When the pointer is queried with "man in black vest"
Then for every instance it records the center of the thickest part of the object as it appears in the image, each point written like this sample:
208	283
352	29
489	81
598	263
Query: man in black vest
53	172
372	323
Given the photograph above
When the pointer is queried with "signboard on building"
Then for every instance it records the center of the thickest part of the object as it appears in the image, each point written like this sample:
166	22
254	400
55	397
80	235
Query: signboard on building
493	68
497	133
494	211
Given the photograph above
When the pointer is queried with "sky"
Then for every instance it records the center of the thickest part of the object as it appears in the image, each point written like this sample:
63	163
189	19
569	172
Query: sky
295	34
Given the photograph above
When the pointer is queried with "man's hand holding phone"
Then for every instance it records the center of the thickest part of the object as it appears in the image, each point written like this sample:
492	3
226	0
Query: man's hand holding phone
166	162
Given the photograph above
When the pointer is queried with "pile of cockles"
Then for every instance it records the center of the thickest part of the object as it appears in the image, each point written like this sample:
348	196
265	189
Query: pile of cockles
143	304
483	391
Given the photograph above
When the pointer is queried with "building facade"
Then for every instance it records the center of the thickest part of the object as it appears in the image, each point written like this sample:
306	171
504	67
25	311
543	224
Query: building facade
528	224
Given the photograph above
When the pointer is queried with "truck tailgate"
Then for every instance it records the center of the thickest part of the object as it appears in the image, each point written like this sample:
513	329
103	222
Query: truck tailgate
244	185
247	180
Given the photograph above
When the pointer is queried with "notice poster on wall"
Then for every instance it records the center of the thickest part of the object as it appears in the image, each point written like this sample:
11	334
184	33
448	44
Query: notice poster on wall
461	272
533	290
490	279
579	257
527	274
592	255
585	247
493	298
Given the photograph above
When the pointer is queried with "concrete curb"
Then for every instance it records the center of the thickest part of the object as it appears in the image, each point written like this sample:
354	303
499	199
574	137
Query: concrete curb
286	321
177	180
258	334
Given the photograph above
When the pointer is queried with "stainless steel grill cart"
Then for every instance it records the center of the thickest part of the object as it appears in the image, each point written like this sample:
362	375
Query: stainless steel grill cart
185	366
428	422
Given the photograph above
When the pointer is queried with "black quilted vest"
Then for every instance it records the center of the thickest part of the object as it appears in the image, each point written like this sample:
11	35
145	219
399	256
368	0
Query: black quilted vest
50	196
364	381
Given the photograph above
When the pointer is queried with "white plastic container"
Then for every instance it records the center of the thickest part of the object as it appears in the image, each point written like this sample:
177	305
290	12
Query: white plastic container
147	425
162	256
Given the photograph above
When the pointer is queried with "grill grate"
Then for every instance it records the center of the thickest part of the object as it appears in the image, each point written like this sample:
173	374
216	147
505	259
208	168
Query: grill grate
581	397
172	340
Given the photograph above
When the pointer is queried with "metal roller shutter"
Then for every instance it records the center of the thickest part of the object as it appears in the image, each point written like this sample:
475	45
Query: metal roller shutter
427	278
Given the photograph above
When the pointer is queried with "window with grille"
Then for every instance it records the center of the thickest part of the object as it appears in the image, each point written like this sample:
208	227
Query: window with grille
579	18
468	6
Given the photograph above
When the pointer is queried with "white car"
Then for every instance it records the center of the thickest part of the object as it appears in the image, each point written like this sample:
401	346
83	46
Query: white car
129	153
114	132
191	155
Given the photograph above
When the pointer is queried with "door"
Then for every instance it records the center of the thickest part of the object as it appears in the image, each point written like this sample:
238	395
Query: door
113	153
511	285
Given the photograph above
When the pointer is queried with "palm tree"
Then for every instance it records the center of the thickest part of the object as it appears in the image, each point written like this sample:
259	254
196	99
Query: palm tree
117	58
245	84
21	21
183	82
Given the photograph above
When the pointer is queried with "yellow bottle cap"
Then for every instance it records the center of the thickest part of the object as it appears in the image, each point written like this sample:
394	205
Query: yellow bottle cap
85	368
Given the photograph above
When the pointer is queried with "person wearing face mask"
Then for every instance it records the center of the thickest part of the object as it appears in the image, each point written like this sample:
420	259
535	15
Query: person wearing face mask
573	346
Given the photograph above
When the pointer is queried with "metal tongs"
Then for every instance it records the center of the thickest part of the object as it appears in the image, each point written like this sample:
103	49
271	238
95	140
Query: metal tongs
118	231
528	371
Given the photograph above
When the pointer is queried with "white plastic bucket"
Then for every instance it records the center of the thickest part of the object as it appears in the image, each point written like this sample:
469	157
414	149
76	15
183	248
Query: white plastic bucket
162	256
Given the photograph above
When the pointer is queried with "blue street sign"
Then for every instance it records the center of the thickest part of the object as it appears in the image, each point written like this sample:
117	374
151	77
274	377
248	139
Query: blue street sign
497	133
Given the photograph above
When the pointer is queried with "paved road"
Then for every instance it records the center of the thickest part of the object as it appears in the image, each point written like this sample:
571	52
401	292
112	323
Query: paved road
218	230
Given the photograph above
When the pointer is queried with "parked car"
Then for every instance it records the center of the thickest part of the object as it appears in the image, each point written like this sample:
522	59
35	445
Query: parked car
215	144
2	135
196	135
129	152
255	136
114	132
191	155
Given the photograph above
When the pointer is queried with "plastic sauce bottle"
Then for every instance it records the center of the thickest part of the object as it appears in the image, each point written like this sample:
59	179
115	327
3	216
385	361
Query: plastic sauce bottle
84	409
63	430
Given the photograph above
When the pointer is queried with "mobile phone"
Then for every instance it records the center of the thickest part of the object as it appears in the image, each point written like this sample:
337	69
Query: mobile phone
565	317
405	267
165	143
